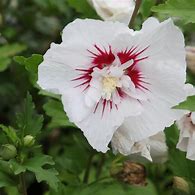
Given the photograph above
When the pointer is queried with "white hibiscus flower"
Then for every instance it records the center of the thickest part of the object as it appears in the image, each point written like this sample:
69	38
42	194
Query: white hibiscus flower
186	125
109	75
114	10
153	148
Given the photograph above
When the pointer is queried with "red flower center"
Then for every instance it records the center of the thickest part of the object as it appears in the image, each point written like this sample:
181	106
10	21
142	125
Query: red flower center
102	58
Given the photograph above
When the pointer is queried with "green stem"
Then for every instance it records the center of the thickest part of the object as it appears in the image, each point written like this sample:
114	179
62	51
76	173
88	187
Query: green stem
88	168
22	184
135	11
100	166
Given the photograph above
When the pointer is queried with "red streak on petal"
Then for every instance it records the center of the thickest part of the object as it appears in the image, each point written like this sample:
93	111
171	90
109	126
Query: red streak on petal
120	92
130	54
133	71
86	82
110	105
103	57
96	107
104	105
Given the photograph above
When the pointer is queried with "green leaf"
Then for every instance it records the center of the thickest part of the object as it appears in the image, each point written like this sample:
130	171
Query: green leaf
39	161
11	49
172	136
16	167
36	164
4	62
189	104
28	121
31	65
58	5
184	9
48	175
7	51
5	180
180	165
146	7
107	188
11	134
54	109
83	7
48	94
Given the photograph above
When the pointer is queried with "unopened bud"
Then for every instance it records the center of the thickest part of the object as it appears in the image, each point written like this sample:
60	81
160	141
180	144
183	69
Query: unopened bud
29	140
180	184
8	151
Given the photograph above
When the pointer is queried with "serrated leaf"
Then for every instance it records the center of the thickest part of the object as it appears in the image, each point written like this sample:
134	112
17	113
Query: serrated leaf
31	65
39	161
184	9
54	109
28	121
36	164
16	167
11	134
83	7
189	104
48	175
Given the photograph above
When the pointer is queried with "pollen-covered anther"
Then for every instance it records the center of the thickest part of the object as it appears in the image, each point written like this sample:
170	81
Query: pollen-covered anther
109	84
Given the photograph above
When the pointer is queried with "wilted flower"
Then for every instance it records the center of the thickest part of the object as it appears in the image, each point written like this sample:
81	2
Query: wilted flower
132	173
109	75
153	148
114	10
190	57
186	126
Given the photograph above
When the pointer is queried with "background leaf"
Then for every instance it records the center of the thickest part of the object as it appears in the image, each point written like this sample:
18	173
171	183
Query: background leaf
83	7
54	109
31	65
11	134
28	121
184	9
7	51
189	104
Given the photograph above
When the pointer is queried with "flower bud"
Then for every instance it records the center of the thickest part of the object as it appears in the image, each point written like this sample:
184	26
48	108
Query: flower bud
190	58
8	151
29	140
180	184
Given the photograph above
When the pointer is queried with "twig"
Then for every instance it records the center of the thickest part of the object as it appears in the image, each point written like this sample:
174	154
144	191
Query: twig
22	184
135	11
100	166
88	168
